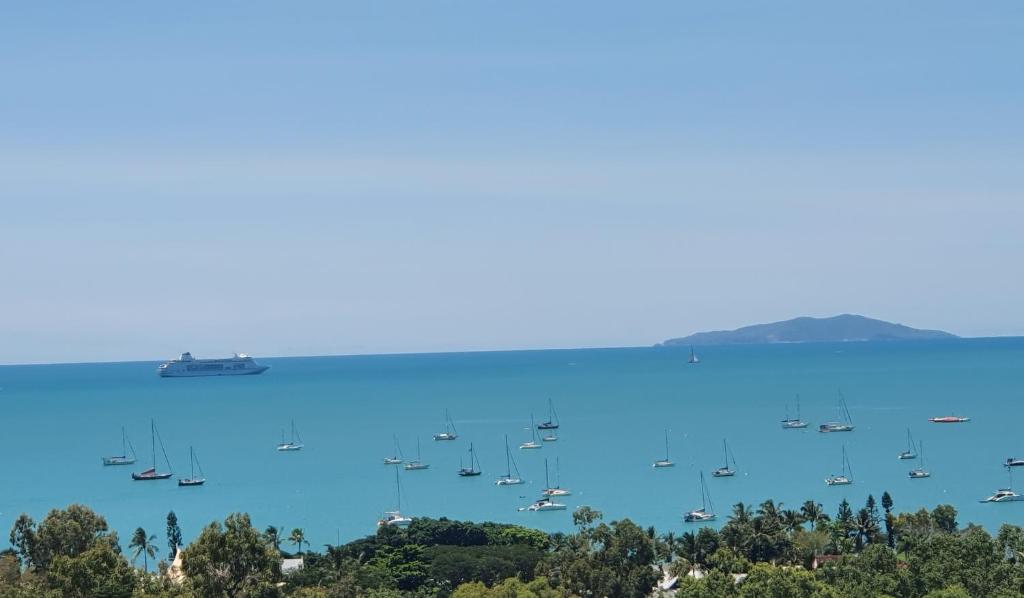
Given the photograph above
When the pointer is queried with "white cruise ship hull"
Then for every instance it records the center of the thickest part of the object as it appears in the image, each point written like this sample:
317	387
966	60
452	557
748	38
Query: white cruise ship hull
188	367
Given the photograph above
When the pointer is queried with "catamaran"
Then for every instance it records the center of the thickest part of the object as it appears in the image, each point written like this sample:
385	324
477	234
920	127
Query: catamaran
546	504
920	471
725	471
557	489
1005	494
909	453
949	419
666	462
126	448
395	518
552	423
474	465
792	424
295	444
532	443
416	463
192	480
510	463
845	478
1013	462
397	458
151	473
845	423
449	432
707	511
693	356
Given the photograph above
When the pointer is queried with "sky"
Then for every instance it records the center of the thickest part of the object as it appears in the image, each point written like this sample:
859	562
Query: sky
371	177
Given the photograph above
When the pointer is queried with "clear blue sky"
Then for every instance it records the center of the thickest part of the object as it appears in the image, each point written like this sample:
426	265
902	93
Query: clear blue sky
324	178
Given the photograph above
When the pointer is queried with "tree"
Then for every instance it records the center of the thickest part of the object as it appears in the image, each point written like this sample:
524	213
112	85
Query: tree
273	536
68	532
97	571
585	516
944	517
143	544
813	513
890	521
173	535
232	559
298	537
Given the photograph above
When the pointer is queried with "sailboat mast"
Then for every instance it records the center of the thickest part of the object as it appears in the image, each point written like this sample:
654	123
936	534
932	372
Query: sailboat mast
725	449
152	440
666	445
547	482
508	462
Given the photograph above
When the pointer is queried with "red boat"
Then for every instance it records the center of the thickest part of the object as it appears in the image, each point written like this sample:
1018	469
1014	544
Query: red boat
949	419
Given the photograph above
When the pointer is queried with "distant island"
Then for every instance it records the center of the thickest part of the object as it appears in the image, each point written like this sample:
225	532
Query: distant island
842	328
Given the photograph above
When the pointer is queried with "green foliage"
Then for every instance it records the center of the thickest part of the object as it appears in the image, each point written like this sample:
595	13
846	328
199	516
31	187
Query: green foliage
510	588
173	535
232	560
99	571
142	544
69	532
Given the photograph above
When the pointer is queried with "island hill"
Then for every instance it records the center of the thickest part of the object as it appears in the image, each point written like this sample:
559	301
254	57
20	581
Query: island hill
842	328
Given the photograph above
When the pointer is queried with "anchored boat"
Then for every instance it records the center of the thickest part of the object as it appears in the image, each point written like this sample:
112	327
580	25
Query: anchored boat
151	473
510	463
449	432
666	462
845	478
295	444
707	511
845	422
416	463
192	480
126	448
474	465
725	471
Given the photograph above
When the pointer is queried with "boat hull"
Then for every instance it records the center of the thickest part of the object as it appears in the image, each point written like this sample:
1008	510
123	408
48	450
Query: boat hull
118	460
138	477
198	482
469	474
664	463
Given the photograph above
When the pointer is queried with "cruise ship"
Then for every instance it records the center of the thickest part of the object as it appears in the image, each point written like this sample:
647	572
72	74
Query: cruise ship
186	366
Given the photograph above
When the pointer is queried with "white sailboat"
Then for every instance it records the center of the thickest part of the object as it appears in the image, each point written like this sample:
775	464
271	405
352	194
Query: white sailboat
845	422
449	432
532	443
416	463
920	471
398	457
707	511
546	504
395	518
510	464
693	356
1005	494
295	444
793	424
666	462
725	471
193	480
909	453
845	478
557	489
127	456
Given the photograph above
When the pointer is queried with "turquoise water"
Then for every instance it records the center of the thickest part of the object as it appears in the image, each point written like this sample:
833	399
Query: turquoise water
613	404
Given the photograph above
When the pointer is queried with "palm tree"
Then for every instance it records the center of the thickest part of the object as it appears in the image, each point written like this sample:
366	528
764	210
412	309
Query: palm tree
792	520
144	545
298	537
813	513
668	541
741	513
273	536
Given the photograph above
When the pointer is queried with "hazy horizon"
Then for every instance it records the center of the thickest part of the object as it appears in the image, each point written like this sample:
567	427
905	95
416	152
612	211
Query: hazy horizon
336	178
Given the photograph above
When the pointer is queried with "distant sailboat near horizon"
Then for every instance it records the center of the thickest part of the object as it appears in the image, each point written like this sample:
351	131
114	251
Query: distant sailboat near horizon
666	462
693	356
845	422
295	444
510	464
532	443
416	463
151	473
919	472
192	480
707	511
474	465
793	424
552	422
126	448
725	471
449	432
398	457
395	518
909	453
845	478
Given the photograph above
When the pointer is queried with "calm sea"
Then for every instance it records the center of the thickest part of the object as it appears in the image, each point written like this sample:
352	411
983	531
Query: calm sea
614	406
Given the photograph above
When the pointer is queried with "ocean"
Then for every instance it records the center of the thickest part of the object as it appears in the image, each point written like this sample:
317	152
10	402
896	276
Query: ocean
613	405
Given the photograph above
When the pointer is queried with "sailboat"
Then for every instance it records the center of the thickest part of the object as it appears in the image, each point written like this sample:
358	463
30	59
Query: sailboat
843	479
192	480
725	471
532	443
693	356
546	504
123	458
792	424
1005	494
909	453
151	473
920	472
397	458
395	518
557	489
474	465
449	429
510	463
845	423
552	423
417	463
1013	462
707	511
295	444
664	462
